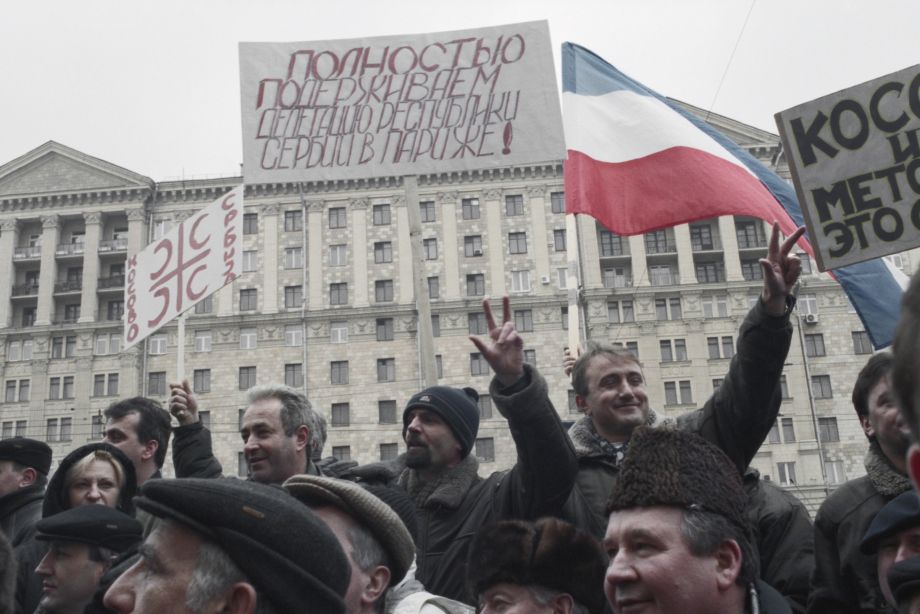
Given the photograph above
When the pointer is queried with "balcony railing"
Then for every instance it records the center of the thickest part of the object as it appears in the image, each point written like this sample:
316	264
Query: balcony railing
660	247
113	245
71	285
25	290
749	242
69	249
618	282
115	281
32	251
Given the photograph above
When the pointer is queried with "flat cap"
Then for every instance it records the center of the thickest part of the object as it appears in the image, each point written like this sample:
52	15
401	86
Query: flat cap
96	525
28	452
289	554
900	513
367	509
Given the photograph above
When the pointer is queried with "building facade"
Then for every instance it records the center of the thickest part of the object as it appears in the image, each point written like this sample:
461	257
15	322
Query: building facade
326	303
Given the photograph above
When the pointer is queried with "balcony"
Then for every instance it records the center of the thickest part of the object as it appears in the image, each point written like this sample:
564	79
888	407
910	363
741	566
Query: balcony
113	245
71	285
69	249
660	247
28	289
27	253
745	242
617	282
115	281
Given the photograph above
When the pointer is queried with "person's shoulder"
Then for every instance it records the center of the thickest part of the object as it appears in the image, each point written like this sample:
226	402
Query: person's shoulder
848	499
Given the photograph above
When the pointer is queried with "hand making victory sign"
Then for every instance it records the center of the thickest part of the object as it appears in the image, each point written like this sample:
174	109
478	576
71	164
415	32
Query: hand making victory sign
503	348
780	270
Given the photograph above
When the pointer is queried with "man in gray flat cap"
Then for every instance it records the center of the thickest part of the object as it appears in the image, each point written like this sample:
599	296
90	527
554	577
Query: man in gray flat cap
24	466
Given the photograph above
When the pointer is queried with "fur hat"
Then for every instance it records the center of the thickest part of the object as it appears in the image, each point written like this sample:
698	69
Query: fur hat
666	466
458	407
549	552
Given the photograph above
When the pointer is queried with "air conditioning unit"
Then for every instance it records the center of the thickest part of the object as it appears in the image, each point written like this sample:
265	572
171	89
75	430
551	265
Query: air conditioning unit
811	318
477	252
545	280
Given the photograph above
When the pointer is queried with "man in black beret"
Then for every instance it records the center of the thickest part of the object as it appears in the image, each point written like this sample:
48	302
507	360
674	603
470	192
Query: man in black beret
452	502
893	536
24	466
83	543
231	545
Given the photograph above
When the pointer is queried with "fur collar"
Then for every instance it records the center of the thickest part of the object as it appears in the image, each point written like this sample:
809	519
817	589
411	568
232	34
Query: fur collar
448	490
884	477
583	435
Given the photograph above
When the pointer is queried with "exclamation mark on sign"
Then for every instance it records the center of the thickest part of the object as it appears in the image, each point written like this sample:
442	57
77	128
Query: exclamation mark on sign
507	136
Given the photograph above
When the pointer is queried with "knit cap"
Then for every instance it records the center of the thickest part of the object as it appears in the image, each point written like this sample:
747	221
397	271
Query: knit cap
458	407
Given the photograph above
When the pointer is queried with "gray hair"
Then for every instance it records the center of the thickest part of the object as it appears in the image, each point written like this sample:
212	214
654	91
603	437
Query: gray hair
317	443
544	596
367	553
296	410
703	533
592	349
214	574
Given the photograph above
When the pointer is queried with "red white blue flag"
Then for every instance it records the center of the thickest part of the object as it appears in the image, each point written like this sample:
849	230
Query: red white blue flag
638	162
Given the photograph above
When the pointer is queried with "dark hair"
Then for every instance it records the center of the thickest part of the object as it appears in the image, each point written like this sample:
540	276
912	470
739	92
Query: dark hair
153	422
705	531
906	367
592	349
877	368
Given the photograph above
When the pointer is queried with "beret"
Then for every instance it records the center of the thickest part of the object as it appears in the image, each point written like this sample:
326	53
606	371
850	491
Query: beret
97	525
900	513
287	552
28	452
367	509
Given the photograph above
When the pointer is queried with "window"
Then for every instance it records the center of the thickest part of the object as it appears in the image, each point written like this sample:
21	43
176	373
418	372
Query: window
628	313
670	393
611	244
520	281
680	349
861	344
564	317
430	248
293	375
54	388
485	449
786	473
514	205
338	372
21	428
386	412
250	261
293	221
517	242
616	277
341	414
717	383
388	451
99	385
242	467
613	312
659	242
472	246
113	310
557	202
293	257
678	393
439	364
720	348
559	239
202	341
10	396
814	345
715	306
470	208
668	309
293	297
250	223
428	211
383	290
106	343
783	387
523	320
686	394
835	472
434	287
28	316
383	252
202	381
205	305
788	430
475	284
337	217
666	351
485	406
827	429
157	344
476	323
710	272
386	369
160	228
573	405
338	255
562	277
773	436
750	234
384	329
728	347
96	427
821	386
381	214
338	332
205	418
751	271
293	335
156	384
807	304
66	429
19	350
806	263
51	429
338	293
661	275
342	453
701	238
478	364
247	378
248	338
249	299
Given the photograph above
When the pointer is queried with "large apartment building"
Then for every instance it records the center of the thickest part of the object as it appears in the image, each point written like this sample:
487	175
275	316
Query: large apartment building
326	303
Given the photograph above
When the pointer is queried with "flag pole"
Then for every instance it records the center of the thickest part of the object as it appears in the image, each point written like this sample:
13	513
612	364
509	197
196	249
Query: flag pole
571	281
180	348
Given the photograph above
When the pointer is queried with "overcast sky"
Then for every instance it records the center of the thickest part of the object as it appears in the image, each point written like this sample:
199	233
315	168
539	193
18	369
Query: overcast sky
154	86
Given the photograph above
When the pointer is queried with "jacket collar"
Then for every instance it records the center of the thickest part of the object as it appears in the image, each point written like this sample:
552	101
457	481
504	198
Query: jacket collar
884	477
585	438
18	498
448	490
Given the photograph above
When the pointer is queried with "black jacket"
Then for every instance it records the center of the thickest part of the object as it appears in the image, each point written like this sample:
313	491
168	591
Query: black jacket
19	511
461	503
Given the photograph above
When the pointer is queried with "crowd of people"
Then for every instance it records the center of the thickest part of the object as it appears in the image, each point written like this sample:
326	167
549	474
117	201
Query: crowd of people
627	511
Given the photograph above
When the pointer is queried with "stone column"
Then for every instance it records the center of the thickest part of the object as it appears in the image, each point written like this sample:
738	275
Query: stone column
450	281
639	261
9	237
315	260
589	252
50	235
89	302
405	265
730	248
359	248
536	196
270	259
137	231
687	274
495	286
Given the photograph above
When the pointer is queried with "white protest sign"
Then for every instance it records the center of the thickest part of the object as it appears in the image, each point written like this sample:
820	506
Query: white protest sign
399	105
185	266
855	162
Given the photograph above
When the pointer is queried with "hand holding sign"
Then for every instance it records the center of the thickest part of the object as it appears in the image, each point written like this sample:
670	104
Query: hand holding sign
780	270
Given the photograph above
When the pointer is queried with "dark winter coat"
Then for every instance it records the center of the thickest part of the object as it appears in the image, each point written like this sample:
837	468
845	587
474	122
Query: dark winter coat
19	511
31	551
453	509
845	580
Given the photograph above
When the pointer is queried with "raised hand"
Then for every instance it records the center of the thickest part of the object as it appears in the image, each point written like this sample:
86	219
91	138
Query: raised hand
503	347
568	360
780	270
182	403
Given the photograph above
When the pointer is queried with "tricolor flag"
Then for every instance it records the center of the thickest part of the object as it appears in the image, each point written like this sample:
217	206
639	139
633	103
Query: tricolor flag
637	162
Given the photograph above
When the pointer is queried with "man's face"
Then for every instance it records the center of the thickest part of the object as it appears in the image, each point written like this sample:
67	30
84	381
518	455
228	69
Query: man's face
430	442
69	577
340	522
122	433
158	581
617	402
10	479
272	455
511	599
97	485
885	422
893	549
651	569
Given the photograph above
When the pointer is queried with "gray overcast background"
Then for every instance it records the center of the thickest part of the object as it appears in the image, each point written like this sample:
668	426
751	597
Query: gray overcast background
153	86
